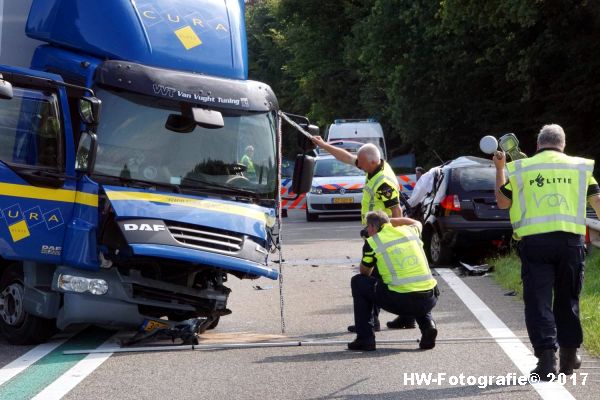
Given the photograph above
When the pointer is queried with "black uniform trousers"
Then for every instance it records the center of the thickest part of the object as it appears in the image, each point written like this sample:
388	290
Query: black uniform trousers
552	262
368	292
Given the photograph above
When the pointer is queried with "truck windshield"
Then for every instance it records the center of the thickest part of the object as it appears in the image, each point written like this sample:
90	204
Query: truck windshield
133	143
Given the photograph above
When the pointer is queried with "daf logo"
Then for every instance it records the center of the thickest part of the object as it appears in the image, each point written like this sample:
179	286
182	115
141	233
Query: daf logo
342	191
145	227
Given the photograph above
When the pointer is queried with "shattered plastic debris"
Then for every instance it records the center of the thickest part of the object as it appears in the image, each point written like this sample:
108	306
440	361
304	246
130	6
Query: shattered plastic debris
258	287
476	269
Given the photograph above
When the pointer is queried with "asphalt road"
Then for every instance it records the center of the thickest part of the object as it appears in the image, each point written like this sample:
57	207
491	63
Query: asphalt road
319	260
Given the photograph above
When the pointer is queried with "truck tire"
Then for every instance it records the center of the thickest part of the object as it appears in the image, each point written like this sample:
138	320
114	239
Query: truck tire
437	253
16	325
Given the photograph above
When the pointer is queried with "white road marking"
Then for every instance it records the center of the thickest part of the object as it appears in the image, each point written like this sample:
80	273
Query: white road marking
67	381
20	364
520	355
320	261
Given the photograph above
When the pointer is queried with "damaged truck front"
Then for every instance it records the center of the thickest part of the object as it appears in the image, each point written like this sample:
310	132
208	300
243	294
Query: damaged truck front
123	197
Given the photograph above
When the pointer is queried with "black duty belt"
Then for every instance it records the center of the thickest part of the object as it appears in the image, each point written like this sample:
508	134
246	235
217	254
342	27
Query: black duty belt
424	294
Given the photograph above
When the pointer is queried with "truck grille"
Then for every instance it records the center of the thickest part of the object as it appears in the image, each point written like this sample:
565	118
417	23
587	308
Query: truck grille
214	240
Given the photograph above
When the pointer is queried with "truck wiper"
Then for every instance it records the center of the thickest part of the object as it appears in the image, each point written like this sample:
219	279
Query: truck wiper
141	182
212	185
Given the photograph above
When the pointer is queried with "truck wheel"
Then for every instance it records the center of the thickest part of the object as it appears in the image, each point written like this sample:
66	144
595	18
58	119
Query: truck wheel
18	326
437	252
311	217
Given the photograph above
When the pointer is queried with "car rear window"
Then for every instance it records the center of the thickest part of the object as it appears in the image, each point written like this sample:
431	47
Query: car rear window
474	179
333	167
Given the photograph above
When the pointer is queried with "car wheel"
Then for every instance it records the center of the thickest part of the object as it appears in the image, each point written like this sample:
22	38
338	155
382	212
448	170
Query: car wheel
437	252
17	325
311	217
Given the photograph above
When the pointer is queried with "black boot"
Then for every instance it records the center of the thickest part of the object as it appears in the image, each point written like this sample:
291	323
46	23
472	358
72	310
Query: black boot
569	360
362	344
402	322
428	336
546	364
376	326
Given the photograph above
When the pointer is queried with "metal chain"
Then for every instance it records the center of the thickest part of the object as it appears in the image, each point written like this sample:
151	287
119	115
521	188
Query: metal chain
281	290
279	227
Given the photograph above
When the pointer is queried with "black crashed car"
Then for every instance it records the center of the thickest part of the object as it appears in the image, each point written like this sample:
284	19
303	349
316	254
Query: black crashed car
460	215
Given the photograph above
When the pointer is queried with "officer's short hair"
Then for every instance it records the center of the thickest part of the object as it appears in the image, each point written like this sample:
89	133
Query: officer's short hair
370	152
551	135
377	219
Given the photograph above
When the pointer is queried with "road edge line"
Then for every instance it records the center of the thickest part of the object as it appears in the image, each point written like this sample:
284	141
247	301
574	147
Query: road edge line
516	350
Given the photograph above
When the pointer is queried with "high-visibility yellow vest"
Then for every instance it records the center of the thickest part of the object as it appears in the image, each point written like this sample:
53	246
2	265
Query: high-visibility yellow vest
370	202
401	261
549	193
247	161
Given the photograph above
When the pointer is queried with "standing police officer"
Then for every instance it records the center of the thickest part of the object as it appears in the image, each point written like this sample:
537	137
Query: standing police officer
547	196
380	192
406	286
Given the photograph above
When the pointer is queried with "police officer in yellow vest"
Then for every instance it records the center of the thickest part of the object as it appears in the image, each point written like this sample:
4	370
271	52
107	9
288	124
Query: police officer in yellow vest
547	196
406	286
380	192
247	161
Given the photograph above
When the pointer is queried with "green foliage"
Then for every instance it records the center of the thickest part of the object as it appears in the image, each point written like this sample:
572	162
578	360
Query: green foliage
507	272
438	75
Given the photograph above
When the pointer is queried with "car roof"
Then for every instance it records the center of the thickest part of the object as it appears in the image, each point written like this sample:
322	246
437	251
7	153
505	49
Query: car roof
468	161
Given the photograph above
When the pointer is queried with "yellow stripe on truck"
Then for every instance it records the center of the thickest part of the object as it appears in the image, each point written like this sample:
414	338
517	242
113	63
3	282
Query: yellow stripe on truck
32	192
187	202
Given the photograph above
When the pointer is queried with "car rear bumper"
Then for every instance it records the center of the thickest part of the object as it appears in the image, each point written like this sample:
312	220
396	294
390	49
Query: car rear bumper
467	233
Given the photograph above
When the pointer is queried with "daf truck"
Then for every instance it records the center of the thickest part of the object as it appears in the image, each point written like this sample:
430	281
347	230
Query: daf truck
123	201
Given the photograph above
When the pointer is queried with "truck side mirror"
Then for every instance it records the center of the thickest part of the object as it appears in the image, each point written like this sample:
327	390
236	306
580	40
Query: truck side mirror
86	152
304	169
89	110
6	90
304	142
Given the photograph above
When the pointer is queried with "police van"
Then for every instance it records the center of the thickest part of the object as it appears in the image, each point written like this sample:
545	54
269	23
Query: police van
358	130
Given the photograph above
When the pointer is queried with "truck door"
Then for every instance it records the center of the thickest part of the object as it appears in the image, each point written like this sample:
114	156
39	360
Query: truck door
37	176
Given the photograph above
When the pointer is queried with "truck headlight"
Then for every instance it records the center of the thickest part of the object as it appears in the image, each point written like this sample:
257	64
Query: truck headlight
316	190
80	284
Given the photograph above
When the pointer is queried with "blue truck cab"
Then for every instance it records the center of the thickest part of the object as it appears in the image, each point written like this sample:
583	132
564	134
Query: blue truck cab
123	199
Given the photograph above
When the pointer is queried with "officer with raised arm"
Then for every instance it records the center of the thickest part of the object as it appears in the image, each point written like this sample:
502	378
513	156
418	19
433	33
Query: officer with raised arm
547	196
380	192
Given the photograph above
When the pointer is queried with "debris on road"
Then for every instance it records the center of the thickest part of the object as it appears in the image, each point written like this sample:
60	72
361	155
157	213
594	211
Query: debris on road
476	269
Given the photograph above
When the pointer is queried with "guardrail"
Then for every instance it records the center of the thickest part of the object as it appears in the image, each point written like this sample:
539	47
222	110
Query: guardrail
594	231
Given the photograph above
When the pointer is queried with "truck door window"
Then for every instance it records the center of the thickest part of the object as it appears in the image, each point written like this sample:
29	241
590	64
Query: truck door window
30	129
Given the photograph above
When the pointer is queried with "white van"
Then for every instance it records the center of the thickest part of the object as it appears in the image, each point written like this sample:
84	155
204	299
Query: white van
358	130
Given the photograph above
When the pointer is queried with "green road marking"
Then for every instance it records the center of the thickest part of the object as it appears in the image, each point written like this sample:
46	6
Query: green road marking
50	367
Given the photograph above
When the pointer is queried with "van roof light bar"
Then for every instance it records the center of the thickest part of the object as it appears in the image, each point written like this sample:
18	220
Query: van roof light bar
346	120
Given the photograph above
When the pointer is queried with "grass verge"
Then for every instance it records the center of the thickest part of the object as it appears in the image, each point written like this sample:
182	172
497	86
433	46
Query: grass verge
507	272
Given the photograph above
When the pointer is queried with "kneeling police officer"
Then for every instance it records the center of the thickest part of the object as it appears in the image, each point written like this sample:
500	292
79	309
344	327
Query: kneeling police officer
406	287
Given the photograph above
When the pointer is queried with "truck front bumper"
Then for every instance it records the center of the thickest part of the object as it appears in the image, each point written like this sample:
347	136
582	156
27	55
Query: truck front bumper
120	306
